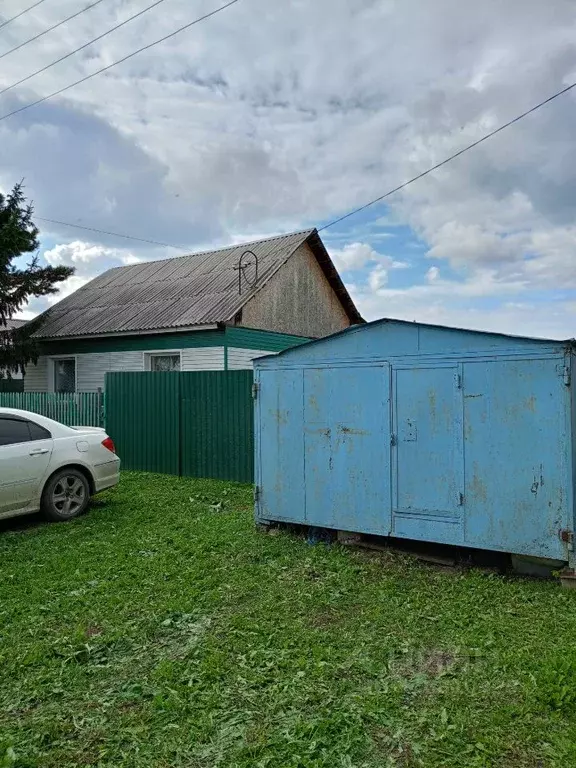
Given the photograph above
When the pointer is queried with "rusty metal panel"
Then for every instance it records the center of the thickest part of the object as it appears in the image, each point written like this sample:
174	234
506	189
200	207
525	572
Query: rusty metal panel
479	450
518	463
280	455
346	454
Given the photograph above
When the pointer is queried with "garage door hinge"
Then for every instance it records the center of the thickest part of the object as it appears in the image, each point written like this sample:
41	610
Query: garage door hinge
567	537
256	493
255	390
458	380
567	376
393	440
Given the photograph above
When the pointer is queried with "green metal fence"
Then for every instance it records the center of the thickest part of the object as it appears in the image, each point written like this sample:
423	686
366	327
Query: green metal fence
196	424
78	409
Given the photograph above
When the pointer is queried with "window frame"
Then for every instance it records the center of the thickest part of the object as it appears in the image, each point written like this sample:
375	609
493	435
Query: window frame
27	422
52	360
151	353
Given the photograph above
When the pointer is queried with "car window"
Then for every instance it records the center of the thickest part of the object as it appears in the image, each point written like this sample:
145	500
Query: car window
37	432
13	431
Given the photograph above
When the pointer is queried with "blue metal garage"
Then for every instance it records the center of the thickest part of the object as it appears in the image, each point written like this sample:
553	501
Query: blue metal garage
421	432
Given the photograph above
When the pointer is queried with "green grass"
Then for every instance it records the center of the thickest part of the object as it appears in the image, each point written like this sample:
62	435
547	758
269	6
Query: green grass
162	630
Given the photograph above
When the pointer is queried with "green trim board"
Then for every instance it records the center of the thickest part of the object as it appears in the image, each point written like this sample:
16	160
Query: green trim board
228	336
212	338
267	341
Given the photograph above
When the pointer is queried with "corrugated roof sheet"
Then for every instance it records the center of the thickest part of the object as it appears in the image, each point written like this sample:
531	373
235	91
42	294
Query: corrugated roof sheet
13	323
201	289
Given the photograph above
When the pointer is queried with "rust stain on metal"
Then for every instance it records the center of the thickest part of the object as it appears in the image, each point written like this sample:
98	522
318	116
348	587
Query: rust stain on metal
478	488
350	431
281	416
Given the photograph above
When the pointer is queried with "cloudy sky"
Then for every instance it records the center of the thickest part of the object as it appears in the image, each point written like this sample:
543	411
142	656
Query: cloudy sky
276	116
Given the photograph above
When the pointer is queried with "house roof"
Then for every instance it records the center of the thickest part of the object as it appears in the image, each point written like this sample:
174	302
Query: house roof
13	323
186	291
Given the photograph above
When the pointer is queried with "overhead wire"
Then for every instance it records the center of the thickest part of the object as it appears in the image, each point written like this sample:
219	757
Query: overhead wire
450	158
371	202
113	234
50	29
81	48
119	61
8	21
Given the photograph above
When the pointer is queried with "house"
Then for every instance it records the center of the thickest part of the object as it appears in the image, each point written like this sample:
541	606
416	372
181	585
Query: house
215	310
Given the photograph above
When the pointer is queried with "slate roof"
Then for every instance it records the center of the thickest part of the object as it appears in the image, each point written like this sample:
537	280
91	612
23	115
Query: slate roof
15	323
200	289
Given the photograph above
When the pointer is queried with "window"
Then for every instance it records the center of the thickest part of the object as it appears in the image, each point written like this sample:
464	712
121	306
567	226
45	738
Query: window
170	362
65	374
37	432
21	431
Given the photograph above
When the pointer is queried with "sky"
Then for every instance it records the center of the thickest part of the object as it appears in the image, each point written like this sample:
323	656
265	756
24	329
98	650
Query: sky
273	117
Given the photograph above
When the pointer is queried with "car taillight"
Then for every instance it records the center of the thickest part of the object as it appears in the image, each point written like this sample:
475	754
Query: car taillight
109	444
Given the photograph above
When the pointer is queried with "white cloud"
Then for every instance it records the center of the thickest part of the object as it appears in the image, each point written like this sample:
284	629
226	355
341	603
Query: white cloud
67	287
78	253
217	133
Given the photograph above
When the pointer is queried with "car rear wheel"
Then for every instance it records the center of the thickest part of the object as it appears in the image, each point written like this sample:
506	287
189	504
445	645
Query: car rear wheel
66	495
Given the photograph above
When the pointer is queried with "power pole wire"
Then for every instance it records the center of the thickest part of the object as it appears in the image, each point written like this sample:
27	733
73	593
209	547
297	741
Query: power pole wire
363	207
81	48
450	158
114	234
4	23
54	26
119	61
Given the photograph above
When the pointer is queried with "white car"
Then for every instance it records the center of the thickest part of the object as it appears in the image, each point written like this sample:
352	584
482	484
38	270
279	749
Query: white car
48	467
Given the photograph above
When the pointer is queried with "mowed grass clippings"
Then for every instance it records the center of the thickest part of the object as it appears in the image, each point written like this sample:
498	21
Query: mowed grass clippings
161	629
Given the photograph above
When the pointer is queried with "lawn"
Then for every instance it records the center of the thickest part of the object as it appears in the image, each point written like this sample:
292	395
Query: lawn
162	630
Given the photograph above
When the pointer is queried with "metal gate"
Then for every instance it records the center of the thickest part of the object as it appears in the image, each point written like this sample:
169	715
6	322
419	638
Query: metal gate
195	424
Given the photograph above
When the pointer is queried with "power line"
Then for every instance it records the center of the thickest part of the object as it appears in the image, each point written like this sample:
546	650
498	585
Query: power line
363	207
114	234
54	26
449	159
81	48
119	61
4	23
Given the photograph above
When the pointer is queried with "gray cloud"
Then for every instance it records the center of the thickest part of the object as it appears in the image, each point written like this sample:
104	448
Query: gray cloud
271	117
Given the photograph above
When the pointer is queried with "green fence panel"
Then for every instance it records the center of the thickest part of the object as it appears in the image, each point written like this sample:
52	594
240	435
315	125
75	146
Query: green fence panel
142	417
85	409
217	425
197	424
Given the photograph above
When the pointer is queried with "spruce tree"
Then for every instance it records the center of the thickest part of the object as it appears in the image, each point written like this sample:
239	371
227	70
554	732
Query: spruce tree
19	283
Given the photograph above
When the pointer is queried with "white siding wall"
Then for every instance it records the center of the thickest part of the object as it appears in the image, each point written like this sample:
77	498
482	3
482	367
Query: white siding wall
240	359
36	379
90	371
126	361
91	368
203	359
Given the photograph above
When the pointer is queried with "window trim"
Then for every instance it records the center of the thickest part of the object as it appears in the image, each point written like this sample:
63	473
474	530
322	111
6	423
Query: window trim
150	353
51	383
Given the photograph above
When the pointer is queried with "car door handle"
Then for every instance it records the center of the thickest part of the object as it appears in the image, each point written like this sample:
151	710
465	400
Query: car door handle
39	451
